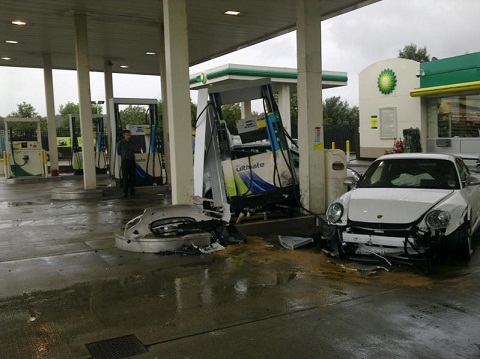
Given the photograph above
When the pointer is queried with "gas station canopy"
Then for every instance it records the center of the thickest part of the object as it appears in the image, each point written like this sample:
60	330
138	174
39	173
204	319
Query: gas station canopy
127	33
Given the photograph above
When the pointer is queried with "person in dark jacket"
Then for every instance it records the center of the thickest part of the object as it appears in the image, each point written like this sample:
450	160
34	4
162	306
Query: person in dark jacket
126	151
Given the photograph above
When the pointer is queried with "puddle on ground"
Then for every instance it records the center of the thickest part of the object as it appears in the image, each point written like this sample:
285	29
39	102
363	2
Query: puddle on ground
174	295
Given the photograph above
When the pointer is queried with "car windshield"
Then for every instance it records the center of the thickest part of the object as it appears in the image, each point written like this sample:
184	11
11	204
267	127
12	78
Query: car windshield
425	173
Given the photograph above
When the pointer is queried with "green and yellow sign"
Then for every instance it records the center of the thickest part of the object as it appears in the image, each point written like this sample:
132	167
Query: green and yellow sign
387	81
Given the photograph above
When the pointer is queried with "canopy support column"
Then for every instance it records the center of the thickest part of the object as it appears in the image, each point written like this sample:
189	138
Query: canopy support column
310	110
178	100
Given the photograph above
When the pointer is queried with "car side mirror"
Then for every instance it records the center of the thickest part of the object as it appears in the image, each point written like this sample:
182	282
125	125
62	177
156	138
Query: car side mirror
350	181
472	181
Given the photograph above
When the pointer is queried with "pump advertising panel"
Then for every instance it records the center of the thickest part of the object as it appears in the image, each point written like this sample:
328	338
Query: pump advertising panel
261	173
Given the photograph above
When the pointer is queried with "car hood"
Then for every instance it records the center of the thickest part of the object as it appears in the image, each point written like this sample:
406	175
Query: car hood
387	205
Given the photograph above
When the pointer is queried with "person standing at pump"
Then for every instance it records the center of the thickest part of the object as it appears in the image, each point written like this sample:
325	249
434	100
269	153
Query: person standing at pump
126	151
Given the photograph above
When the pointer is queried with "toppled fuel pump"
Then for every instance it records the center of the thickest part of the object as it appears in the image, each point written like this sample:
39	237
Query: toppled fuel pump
170	228
250	181
226	182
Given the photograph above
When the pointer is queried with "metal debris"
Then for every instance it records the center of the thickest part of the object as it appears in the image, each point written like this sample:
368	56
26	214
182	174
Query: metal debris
292	242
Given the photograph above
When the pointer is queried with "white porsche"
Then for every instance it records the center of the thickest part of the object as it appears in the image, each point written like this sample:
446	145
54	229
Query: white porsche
409	206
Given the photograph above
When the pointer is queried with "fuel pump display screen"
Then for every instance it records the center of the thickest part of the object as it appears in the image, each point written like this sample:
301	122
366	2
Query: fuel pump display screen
140	137
252	129
138	130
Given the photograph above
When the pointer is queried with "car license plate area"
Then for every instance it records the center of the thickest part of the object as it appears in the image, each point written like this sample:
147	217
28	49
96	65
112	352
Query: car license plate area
374	240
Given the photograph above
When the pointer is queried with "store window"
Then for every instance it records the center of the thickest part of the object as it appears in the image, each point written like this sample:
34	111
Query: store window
456	116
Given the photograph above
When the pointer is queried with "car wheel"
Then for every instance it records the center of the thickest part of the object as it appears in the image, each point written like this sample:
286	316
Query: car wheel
460	243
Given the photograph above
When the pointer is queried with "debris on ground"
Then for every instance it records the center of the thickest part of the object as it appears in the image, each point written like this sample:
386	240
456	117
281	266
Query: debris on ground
292	242
192	249
364	269
214	247
330	253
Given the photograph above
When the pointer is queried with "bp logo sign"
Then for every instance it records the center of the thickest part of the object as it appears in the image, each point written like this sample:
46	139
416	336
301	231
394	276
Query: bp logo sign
387	80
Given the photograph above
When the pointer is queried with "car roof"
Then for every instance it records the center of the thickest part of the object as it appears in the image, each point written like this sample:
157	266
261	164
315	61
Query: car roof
440	156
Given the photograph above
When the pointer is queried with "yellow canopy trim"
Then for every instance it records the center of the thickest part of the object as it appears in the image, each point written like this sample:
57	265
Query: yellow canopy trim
446	89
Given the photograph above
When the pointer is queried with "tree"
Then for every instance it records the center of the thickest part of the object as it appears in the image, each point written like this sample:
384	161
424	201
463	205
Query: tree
133	115
232	113
193	113
338	115
71	108
96	108
294	115
412	53
66	110
25	110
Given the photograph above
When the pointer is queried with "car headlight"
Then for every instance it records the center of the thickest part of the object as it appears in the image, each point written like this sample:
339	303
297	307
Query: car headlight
334	212
437	219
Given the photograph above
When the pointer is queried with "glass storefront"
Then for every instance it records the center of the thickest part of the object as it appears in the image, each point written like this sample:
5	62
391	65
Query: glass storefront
454	116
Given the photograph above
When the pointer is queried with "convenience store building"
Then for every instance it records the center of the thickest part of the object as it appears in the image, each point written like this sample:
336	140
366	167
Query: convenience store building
440	98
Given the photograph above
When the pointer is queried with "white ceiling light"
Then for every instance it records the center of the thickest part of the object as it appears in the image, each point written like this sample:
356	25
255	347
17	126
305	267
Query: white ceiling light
11	42
6	58
150	53
124	66
19	22
232	12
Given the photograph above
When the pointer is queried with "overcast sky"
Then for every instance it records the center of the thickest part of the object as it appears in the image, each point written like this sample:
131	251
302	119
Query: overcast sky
350	43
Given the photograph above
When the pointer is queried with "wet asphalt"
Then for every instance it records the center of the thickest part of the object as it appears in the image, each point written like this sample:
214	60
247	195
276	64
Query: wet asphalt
64	288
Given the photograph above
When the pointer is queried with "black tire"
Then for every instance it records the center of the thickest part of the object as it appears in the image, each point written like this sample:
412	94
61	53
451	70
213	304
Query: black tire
460	243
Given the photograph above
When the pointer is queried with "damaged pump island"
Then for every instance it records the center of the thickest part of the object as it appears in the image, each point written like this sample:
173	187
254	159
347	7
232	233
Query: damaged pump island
232	181
259	178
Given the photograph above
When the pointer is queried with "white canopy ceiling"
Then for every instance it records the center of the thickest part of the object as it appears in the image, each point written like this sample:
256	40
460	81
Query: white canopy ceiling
124	31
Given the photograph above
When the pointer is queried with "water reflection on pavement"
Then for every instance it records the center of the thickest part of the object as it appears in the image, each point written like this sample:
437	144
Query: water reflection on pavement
64	284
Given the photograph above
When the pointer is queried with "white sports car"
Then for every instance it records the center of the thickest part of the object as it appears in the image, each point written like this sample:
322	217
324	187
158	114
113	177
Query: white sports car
409	206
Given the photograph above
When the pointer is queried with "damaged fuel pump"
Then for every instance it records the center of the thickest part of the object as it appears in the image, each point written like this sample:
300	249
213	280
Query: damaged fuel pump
204	223
226	181
249	180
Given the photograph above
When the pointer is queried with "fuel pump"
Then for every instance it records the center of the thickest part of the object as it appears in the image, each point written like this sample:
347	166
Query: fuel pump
23	154
248	180
100	145
164	228
146	137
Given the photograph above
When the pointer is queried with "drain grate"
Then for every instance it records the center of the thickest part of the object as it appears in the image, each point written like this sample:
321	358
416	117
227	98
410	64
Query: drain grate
116	348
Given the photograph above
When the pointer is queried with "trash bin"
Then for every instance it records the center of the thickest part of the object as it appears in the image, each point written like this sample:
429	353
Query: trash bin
335	173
